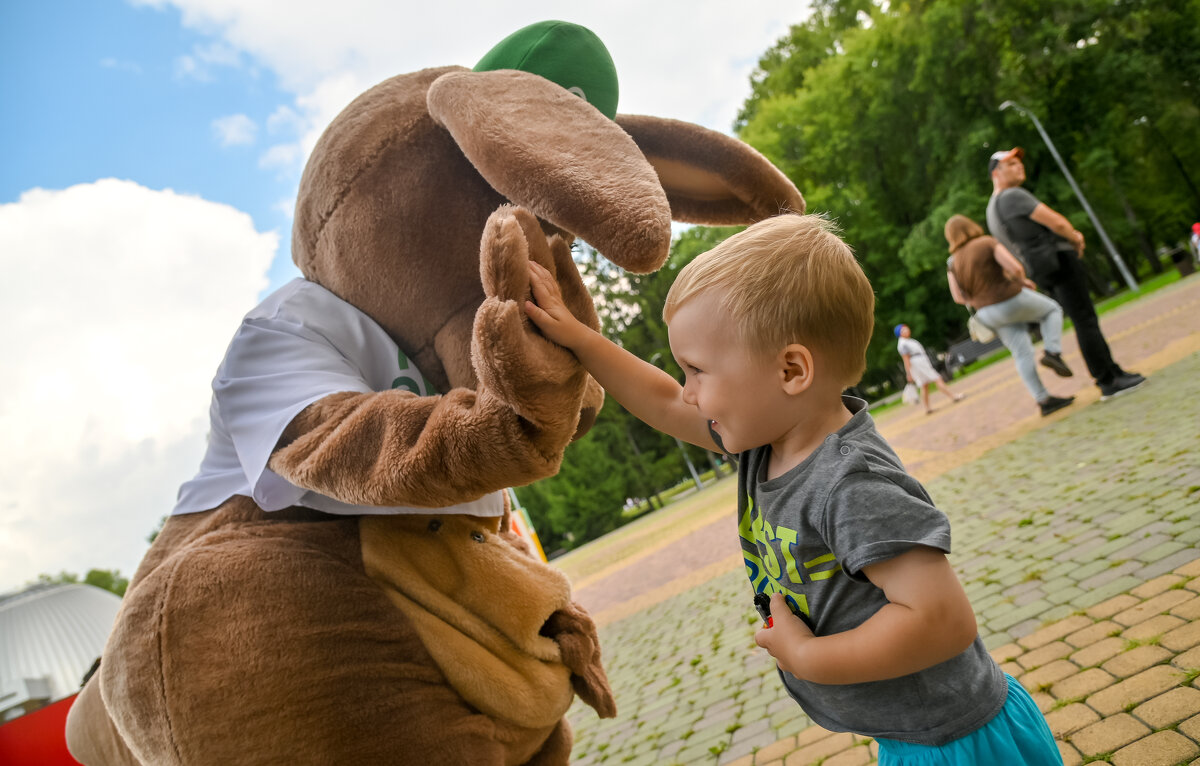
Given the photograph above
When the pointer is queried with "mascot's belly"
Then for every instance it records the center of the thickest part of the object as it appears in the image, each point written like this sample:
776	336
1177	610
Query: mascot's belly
259	638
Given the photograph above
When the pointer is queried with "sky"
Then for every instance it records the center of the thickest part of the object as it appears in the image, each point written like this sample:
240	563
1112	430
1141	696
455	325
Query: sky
146	196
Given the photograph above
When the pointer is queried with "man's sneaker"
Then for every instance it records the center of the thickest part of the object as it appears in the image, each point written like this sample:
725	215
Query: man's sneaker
1121	384
1056	363
1054	404
1139	379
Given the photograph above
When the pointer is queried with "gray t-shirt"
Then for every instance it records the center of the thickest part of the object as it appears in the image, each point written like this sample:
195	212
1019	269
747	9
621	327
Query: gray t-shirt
809	533
1008	221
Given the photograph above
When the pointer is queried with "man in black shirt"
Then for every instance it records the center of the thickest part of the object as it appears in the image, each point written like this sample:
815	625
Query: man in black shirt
1051	249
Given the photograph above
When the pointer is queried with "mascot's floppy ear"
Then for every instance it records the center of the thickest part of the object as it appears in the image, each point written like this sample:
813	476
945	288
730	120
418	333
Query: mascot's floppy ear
535	119
710	178
552	152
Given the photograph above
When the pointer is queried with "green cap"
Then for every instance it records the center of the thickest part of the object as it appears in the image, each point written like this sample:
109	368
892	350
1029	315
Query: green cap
567	54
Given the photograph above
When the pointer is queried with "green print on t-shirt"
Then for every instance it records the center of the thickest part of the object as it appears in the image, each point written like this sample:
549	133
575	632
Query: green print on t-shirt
405	382
776	557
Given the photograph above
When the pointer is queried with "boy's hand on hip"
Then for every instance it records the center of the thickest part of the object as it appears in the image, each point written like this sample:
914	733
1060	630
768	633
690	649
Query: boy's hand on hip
786	636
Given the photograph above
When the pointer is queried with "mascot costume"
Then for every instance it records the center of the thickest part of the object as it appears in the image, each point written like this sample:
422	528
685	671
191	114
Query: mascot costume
340	583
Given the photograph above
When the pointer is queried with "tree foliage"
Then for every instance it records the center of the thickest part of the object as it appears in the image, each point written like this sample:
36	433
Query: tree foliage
108	579
884	115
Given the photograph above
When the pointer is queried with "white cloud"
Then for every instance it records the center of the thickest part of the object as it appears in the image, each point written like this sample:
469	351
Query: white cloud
119	301
200	63
284	120
286	207
108	62
282	157
235	129
686	60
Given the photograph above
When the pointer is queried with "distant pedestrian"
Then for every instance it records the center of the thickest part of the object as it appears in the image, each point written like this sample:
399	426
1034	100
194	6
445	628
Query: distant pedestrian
1051	249
918	368
985	276
1194	243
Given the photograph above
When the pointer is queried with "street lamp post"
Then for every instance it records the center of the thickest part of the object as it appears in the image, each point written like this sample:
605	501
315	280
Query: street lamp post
1129	280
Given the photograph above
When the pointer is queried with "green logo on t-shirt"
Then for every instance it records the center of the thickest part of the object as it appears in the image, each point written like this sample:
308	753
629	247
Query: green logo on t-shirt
776	555
404	381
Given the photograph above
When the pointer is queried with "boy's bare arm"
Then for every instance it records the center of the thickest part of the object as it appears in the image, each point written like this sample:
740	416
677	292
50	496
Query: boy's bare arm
928	620
652	395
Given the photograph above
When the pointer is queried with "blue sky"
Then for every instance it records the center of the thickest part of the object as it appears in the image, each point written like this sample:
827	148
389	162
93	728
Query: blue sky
96	89
154	148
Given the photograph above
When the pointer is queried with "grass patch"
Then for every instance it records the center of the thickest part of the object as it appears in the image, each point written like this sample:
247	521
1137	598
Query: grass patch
1157	282
1060	704
877	410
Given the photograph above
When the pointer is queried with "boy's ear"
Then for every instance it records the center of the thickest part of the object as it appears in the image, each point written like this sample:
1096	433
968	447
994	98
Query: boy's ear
796	368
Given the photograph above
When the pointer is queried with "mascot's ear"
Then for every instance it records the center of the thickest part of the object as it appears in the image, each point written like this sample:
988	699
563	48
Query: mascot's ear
550	151
709	177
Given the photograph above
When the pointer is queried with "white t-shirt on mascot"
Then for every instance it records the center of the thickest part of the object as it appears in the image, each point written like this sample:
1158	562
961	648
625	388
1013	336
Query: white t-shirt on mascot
298	346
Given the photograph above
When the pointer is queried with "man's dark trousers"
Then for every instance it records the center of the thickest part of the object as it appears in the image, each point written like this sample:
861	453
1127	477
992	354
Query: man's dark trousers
1068	285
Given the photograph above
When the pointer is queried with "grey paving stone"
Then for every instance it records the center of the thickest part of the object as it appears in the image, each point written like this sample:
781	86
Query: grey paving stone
1106	484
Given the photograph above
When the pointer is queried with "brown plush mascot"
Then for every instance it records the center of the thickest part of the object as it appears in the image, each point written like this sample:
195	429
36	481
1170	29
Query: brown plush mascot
340	584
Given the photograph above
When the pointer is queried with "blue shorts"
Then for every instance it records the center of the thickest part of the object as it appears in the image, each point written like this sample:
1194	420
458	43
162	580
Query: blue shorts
1018	734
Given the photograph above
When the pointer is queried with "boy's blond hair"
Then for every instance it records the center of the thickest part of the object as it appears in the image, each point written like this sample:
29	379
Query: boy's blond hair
788	279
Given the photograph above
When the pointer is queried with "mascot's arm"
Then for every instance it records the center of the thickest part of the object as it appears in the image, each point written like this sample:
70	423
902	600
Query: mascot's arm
396	448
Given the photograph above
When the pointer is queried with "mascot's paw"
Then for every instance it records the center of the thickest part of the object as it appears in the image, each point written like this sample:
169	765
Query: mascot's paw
543	382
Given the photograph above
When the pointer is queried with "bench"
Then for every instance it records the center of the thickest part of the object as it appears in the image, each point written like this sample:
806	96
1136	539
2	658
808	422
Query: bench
960	354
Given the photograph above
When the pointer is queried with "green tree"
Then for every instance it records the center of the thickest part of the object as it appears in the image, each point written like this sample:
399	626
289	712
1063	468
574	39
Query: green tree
884	115
108	579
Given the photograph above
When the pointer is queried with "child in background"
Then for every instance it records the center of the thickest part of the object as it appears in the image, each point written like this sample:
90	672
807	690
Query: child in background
769	327
918	369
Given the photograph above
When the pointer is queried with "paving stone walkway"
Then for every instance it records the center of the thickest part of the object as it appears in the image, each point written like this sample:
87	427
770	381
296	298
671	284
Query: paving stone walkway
1076	537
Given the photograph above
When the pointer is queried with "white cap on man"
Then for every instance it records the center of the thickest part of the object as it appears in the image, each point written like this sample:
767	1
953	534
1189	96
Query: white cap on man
1001	156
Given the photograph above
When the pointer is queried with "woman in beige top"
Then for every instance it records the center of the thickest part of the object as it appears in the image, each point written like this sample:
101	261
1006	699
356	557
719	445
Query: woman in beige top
984	275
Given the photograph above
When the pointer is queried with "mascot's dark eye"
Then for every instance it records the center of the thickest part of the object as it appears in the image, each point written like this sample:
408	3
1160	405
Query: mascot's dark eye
435	525
477	536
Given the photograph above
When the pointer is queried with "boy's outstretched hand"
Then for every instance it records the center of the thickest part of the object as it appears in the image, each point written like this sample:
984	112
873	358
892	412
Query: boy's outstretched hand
549	312
785	638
